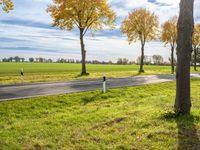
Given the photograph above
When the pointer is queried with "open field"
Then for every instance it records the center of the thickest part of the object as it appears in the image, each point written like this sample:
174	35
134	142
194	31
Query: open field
126	118
42	72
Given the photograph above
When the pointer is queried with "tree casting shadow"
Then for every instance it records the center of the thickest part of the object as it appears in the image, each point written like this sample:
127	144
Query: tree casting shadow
82	75
188	134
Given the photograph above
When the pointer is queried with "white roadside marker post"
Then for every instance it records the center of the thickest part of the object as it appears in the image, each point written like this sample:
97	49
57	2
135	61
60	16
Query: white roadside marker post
104	83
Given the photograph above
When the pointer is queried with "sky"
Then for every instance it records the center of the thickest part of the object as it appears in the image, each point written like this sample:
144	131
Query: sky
27	32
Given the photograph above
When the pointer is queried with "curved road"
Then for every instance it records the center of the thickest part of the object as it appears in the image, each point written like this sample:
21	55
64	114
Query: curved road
21	91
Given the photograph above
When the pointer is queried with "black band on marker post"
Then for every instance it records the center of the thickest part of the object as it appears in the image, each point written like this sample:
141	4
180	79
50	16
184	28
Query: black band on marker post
104	79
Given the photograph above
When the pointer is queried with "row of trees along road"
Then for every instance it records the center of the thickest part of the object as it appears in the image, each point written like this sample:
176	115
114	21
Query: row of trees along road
141	25
169	36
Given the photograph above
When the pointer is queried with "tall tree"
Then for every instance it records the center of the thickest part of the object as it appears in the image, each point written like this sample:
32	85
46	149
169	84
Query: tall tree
169	36
196	44
157	59
184	49
84	14
197	57
17	59
10	59
7	5
141	25
31	59
23	59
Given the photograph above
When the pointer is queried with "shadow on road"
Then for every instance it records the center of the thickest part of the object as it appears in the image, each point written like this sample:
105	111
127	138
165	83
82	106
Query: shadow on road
188	134
165	76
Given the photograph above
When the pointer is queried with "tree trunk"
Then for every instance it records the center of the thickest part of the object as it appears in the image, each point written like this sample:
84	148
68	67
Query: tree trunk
142	60
195	59
172	59
184	49
83	53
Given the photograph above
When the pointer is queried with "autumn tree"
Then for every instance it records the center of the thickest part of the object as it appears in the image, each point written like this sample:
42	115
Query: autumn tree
84	15
7	5
196	44
184	49
141	25
169	36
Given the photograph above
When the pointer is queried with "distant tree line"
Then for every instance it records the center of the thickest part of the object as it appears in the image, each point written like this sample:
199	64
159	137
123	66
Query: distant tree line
148	60
13	59
41	60
154	60
62	60
21	59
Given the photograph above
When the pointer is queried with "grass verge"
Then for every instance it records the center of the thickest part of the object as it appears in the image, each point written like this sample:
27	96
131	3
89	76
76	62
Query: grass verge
125	118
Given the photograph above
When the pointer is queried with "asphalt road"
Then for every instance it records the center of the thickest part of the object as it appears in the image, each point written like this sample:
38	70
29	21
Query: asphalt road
22	91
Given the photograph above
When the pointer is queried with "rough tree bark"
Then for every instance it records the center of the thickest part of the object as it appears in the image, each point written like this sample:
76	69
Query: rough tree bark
172	59
184	49
142	58
83	53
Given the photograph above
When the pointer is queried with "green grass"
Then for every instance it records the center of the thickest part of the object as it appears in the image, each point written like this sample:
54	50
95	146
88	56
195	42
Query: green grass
42	72
14	68
125	118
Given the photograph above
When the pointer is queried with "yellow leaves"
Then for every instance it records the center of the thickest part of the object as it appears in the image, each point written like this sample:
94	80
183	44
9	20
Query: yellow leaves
169	31
141	24
196	36
7	5
84	14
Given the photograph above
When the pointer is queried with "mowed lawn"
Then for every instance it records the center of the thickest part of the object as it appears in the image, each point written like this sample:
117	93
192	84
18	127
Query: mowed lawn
126	118
42	72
